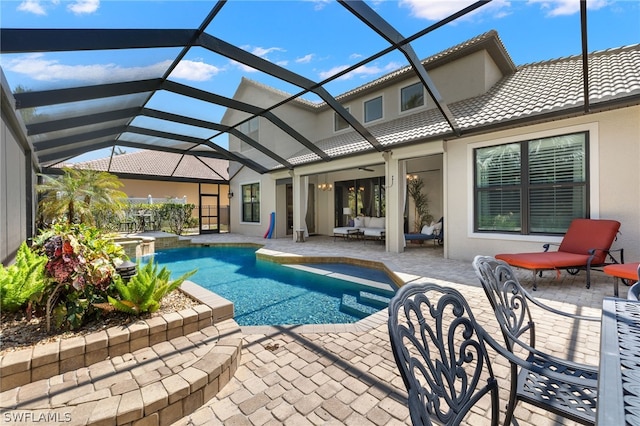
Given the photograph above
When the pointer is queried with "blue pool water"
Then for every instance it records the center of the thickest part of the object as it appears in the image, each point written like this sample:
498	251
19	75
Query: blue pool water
266	293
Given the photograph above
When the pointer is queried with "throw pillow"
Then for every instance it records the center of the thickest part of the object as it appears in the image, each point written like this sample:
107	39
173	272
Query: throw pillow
427	230
437	227
358	222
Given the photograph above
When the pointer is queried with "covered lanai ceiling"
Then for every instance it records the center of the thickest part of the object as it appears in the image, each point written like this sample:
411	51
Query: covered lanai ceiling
157	108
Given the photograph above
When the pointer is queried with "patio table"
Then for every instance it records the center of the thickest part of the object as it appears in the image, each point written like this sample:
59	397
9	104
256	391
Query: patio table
619	373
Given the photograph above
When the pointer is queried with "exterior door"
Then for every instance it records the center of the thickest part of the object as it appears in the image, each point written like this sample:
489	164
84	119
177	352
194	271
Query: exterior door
209	217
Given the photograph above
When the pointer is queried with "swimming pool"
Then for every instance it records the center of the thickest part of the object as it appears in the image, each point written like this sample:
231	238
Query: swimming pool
267	293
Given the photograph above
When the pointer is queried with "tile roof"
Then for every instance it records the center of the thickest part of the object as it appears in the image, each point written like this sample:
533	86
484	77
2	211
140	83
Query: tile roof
533	92
160	164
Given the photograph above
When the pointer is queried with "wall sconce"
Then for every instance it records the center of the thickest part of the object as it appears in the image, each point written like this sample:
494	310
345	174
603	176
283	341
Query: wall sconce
230	194
412	177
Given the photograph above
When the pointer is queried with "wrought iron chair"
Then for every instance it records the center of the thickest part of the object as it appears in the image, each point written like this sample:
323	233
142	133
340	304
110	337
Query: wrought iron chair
560	386
440	351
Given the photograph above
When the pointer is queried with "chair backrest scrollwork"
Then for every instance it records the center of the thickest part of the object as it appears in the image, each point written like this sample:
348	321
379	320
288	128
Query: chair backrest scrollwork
508	300
440	351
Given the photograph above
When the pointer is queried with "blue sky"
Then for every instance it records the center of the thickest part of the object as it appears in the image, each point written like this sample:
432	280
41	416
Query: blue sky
313	38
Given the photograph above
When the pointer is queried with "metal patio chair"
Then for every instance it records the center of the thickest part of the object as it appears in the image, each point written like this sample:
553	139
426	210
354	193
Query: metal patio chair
440	351
563	387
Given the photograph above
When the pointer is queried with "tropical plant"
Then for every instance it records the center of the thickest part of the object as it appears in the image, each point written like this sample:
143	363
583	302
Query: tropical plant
71	195
80	267
422	216
145	290
22	281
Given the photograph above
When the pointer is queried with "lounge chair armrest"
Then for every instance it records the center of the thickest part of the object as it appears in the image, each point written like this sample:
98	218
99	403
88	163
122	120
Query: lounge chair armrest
613	259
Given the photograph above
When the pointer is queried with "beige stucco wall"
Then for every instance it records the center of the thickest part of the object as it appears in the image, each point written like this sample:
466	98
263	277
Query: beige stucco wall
267	204
614	191
463	78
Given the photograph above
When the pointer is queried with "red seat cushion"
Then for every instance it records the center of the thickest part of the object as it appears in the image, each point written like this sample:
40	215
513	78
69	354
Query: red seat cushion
544	260
583	235
628	271
586	234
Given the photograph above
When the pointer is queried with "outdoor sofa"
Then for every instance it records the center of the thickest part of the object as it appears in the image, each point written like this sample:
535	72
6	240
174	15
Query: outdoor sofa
363	227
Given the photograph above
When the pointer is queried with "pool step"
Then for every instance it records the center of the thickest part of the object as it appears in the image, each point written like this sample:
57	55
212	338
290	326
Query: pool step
352	306
373	299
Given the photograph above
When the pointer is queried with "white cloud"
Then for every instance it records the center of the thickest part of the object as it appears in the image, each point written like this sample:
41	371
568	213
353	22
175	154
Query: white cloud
439	9
320	4
305	59
567	7
263	52
37	67
78	7
364	71
195	70
335	70
81	7
32	6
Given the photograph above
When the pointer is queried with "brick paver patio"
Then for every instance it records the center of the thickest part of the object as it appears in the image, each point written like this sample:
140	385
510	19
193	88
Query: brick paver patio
310	375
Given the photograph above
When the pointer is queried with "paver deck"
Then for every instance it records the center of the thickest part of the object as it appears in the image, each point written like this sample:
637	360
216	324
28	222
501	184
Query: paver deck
345	374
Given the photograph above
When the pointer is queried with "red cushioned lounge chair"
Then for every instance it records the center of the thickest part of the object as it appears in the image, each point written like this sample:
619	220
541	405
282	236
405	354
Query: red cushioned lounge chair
626	271
586	244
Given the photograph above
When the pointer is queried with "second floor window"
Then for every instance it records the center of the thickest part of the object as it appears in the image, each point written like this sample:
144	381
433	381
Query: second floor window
411	97
250	128
339	123
373	109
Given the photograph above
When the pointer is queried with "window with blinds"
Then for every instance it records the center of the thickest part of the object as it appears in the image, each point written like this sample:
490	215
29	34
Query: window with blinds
251	202
531	187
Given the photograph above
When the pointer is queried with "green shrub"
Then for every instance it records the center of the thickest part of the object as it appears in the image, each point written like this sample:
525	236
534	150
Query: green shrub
145	290
178	216
22	281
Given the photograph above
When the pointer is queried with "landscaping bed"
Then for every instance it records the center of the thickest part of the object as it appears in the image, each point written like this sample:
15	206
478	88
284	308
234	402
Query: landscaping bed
17	332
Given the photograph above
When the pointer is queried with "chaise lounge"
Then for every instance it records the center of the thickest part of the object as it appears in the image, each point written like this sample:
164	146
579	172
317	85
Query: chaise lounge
429	233
586	244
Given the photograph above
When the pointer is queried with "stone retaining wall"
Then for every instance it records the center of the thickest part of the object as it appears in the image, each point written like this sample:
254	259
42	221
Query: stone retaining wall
44	361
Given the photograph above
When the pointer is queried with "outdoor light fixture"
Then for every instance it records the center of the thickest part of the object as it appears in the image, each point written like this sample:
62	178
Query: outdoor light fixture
230	194
126	270
325	186
412	177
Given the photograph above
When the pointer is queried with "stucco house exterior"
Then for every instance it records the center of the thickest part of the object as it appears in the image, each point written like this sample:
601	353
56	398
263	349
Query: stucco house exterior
528	154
